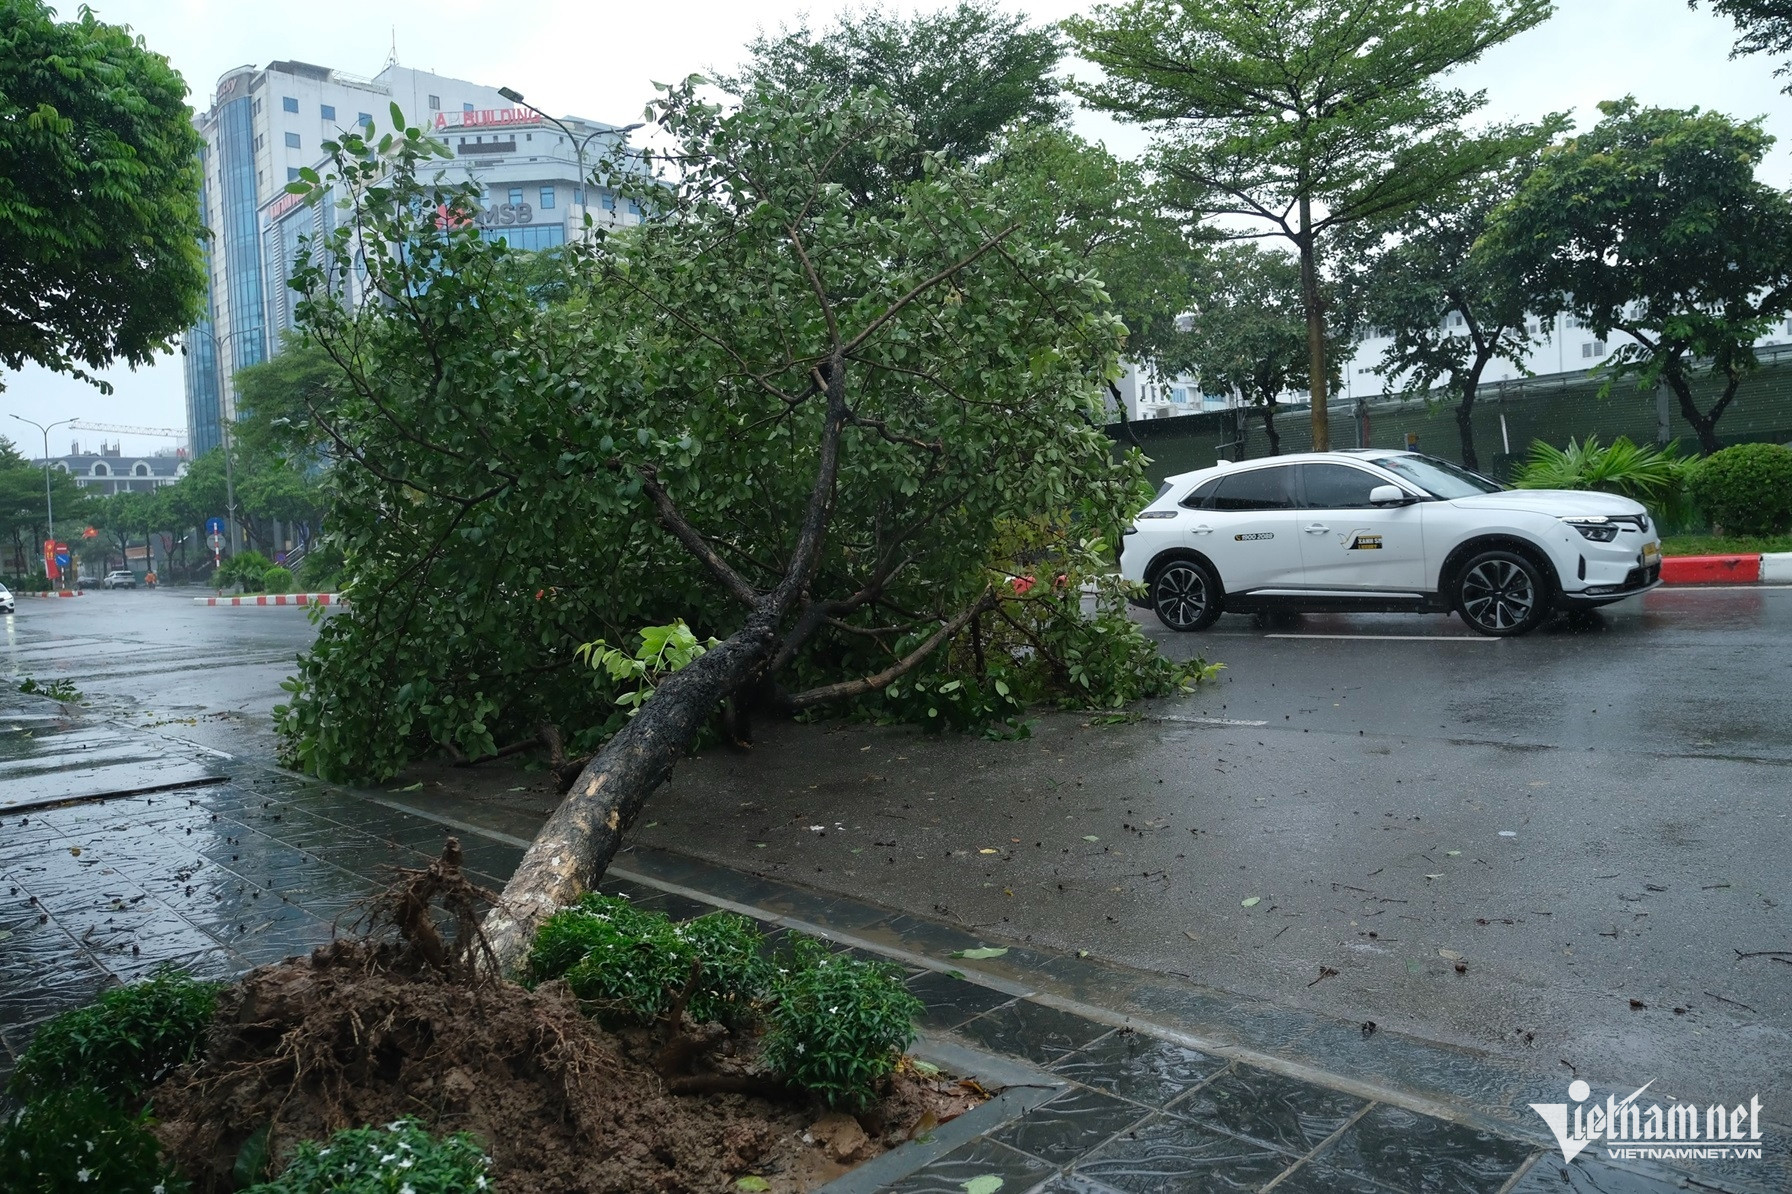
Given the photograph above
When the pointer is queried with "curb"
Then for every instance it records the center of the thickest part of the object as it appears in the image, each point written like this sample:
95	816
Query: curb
1774	567
58	593
301	599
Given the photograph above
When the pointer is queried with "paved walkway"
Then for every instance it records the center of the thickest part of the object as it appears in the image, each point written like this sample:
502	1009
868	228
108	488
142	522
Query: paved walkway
1118	1080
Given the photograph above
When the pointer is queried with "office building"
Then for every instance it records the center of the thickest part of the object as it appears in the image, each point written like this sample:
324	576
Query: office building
266	124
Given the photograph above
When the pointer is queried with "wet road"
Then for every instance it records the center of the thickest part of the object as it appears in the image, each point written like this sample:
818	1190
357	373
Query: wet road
1579	819
1552	848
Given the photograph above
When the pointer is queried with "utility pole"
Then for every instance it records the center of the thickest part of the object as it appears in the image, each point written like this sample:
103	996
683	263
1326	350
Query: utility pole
49	507
224	422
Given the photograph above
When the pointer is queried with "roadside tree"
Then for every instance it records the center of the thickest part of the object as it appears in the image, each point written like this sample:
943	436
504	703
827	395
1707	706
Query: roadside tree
1302	118
1247	331
1653	224
1426	280
854	444
1765	27
99	169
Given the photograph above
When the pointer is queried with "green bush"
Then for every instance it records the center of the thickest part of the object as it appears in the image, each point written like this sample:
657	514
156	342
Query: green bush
838	1025
1747	489
276	579
630	963
246	568
1656	477
78	1140
124	1042
401	1156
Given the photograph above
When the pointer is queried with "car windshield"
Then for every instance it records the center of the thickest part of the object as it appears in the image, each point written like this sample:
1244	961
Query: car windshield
1439	478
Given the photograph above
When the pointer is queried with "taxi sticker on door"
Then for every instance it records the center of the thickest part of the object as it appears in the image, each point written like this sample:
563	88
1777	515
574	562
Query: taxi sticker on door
1362	541
1255	535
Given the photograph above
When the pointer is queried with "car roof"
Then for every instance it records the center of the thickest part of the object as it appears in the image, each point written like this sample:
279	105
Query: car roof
1369	455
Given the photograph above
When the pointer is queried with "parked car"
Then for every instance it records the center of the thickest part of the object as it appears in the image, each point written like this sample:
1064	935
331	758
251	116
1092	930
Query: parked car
1374	530
7	604
120	580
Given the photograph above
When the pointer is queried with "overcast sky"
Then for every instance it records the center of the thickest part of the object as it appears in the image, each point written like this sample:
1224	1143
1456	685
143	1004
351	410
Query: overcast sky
600	61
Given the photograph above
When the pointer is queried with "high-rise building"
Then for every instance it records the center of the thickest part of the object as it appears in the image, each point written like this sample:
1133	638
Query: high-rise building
266	124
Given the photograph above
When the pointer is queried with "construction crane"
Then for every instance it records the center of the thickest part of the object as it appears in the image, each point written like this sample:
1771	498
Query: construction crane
123	429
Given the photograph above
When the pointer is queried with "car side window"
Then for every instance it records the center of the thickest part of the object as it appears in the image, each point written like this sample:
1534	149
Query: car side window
1202	498
1256	489
1337	487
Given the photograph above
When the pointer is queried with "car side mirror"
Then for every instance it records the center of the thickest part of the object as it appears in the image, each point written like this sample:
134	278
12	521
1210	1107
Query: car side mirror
1388	495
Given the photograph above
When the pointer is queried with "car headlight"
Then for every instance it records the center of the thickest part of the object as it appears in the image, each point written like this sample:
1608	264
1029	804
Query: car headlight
1596	527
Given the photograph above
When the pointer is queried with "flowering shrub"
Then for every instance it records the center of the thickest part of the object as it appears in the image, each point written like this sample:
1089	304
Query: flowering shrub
122	1043
839	1025
400	1158
77	1141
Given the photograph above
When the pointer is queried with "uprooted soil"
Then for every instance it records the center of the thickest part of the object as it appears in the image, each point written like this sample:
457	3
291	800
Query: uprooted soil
367	1031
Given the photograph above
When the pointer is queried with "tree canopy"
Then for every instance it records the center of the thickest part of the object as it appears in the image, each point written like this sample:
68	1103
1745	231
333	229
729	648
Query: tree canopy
1426	279
956	78
1765	27
1247	330
1302	117
1653	223
99	186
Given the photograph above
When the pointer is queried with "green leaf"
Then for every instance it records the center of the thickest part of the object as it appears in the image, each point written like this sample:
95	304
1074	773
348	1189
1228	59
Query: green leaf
986	1183
397	116
751	1183
252	1158
980	952
1250	901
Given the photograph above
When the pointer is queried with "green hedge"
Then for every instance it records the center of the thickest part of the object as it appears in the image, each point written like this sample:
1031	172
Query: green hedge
1746	490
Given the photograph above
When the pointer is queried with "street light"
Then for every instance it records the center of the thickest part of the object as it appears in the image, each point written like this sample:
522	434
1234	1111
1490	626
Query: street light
49	509
516	97
224	427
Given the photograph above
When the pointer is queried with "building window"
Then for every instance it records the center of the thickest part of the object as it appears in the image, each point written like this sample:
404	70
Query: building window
547	197
608	200
634	207
289	103
328	111
364	119
466	107
292	174
259	139
142	470
100	470
516	196
435	103
292	140
258	107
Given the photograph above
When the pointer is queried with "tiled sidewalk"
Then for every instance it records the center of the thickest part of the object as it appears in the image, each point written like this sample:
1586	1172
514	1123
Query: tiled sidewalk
1137	1082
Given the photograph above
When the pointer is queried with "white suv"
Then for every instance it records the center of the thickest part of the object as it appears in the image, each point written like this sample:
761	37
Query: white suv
1380	530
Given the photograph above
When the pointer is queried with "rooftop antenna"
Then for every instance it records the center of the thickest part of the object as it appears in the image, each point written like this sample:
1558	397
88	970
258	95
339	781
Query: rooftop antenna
392	58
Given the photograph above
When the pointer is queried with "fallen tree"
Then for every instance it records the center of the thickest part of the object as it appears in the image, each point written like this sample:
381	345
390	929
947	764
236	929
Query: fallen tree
857	446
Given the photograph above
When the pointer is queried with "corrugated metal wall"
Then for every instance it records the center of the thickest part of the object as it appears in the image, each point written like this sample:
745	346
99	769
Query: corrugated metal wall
1553	409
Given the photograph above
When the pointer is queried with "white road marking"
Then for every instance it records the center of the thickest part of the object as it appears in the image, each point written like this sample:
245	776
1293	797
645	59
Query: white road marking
1203	721
1397	638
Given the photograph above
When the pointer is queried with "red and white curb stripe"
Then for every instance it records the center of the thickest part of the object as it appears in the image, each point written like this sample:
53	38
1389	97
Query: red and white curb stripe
275	599
58	593
1770	568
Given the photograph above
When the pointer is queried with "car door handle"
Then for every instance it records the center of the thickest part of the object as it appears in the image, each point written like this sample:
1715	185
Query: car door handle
1203	529
1317	529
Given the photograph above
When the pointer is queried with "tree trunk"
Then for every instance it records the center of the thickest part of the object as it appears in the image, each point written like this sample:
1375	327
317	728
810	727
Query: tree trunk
573	849
1269	428
1465	427
1704	425
1309	290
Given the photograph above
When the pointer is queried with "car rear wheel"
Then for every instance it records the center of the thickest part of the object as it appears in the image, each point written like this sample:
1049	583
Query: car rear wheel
1185	595
1500	593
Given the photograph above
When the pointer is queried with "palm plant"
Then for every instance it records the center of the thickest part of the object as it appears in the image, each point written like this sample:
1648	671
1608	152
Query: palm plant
1654	476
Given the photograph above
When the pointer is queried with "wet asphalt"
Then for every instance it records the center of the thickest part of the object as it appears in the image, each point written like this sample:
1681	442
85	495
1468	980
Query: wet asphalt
1508	845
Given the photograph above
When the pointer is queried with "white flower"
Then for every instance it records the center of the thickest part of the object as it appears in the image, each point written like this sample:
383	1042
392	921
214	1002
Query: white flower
479	1182
158	1188
406	1163
83	1175
388	1158
407	1188
832	1010
799	1046
90	1146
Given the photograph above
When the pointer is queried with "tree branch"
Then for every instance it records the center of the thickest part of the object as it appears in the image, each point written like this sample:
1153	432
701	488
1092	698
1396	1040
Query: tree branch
876	683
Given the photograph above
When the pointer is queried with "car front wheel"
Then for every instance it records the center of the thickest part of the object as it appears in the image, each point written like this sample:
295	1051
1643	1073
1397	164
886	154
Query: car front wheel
1500	593
1185	596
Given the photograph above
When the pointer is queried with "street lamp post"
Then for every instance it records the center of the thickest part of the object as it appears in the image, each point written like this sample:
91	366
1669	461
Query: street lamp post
516	97
224	428
49	507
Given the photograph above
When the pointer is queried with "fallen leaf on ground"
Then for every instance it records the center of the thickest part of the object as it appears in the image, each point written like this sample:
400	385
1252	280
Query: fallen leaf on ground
927	1070
985	1183
1638	1005
752	1183
1508	833
1450	954
412	788
1461	968
1090	837
927	1123
1190	935
1325	972
1439	875
981	952
987	850
75	850
1452	853
1250	901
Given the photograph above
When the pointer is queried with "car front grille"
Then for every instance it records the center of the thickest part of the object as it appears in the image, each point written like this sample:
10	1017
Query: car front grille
1642	575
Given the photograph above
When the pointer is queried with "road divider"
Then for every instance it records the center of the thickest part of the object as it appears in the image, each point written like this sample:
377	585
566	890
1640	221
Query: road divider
257	599
57	593
1773	568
